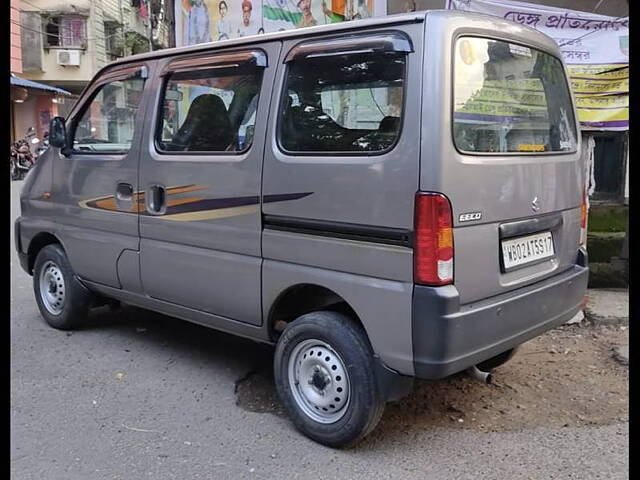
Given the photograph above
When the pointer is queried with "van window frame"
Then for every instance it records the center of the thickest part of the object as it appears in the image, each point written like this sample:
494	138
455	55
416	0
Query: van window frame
454	42
208	61
290	58
119	74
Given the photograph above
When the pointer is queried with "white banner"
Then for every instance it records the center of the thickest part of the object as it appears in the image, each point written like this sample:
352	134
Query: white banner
583	38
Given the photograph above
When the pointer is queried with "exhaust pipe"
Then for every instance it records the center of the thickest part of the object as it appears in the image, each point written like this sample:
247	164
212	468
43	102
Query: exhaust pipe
477	374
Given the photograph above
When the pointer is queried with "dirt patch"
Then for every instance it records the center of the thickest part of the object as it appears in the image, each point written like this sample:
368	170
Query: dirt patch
566	377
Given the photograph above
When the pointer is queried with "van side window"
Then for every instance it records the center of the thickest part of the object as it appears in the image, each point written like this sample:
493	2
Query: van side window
343	103
106	126
211	110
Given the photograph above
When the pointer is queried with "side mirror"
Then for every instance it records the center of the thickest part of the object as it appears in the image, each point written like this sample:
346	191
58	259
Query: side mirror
57	133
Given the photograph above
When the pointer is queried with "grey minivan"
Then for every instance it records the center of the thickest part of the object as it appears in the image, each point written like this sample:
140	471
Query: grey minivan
382	199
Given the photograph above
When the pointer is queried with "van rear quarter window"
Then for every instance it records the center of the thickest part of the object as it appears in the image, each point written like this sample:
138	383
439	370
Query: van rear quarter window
344	103
509	98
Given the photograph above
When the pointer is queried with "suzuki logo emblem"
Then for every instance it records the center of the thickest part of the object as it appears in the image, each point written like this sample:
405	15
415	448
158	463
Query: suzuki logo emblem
534	204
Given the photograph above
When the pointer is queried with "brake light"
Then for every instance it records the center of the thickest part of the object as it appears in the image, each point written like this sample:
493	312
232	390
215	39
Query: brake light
583	219
433	248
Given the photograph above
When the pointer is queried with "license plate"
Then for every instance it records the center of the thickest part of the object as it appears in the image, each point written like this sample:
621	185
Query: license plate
529	249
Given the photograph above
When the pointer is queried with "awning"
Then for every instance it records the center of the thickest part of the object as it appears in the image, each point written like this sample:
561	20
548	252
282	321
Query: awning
23	82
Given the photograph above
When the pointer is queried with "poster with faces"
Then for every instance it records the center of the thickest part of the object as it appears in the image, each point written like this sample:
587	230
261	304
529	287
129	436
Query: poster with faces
200	21
203	21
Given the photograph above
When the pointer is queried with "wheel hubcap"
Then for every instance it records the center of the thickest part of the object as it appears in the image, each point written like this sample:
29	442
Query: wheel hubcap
319	381
52	288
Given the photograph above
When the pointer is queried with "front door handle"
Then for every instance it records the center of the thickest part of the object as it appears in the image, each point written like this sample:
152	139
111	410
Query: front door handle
155	200
124	195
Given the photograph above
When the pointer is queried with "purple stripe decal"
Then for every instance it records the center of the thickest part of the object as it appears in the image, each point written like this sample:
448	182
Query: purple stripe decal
219	203
212	204
280	197
613	123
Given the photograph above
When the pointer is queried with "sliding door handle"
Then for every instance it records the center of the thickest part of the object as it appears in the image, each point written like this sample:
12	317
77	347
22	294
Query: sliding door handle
156	200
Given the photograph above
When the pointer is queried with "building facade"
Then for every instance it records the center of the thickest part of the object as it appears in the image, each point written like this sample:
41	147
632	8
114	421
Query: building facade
64	44
16	41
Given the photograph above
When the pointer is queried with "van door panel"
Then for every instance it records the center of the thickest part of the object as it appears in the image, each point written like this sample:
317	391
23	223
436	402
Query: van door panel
93	227
203	251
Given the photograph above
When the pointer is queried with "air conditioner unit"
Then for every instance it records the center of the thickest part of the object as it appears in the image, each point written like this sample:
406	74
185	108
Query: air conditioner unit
68	58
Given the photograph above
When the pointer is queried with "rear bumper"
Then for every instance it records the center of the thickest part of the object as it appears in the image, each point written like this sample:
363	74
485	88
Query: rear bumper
449	337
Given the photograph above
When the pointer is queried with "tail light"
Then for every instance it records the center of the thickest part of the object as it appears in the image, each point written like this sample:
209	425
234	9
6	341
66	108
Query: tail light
583	220
433	246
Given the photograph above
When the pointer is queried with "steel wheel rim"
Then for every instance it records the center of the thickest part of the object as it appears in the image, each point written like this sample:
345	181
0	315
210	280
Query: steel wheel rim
319	381
52	288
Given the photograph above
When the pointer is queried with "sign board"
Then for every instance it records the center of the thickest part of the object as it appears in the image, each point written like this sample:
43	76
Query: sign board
199	21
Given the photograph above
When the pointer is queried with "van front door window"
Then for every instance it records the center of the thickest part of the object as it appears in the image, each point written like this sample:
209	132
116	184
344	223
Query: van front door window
107	123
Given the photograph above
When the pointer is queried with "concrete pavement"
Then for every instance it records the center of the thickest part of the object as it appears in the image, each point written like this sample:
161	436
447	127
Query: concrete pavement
608	305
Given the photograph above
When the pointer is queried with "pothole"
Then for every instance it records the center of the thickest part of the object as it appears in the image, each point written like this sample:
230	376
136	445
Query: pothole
256	390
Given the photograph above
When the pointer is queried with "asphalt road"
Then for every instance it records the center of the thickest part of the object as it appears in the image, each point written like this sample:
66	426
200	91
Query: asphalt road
137	395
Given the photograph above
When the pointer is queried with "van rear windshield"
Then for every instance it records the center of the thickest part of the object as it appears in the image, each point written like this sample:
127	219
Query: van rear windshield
509	98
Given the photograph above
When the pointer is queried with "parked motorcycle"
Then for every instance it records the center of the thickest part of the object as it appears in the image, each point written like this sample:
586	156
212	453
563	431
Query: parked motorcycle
22	160
43	146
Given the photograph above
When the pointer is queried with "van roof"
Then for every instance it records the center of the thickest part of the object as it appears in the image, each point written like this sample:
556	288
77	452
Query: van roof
283	35
353	25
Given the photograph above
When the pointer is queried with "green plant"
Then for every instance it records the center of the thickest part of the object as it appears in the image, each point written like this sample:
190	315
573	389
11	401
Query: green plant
135	43
608	219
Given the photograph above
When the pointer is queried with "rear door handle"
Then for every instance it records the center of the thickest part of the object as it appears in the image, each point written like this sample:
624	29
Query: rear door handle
124	196
155	200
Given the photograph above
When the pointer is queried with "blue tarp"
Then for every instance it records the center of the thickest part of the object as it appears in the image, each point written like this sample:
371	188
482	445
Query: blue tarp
23	82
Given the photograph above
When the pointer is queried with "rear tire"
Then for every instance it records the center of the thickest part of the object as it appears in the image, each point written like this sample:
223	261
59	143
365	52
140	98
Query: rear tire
324	373
62	300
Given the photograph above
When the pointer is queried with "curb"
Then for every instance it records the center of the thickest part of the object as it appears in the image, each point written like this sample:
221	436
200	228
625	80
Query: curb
605	320
607	306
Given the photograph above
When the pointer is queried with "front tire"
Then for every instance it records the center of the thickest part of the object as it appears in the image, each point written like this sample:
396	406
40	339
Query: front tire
62	300
324	373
